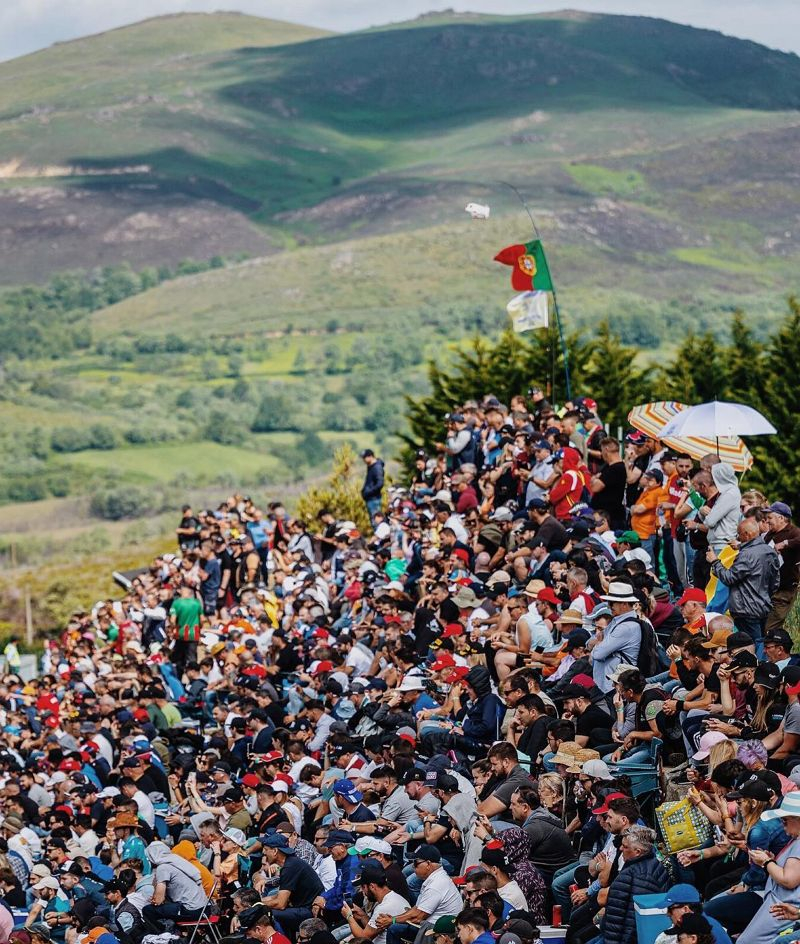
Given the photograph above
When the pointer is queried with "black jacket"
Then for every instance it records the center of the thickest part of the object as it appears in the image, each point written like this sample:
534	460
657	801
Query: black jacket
642	876
373	483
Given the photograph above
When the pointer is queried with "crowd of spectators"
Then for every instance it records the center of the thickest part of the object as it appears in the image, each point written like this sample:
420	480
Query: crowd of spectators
293	731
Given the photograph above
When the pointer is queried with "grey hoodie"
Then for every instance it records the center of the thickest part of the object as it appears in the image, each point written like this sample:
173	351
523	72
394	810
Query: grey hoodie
726	513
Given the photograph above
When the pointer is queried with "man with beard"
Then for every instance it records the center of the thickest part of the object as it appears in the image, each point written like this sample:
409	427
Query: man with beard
385	902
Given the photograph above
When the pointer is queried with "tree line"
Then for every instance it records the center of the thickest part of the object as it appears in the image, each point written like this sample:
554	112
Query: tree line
743	369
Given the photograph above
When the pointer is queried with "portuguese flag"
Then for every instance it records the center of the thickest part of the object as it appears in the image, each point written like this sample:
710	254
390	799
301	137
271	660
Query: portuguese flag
529	266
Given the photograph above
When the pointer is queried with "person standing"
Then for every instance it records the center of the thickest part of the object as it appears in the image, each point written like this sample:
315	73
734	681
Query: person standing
185	616
785	538
608	484
372	488
752	578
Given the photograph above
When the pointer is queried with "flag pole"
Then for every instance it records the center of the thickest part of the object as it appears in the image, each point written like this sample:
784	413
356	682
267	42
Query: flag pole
564	352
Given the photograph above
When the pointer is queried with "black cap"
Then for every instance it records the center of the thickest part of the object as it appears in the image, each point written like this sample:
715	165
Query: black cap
767	674
576	639
427	853
371	871
738	641
791	674
743	660
574	691
690	923
414	775
494	857
232	795
752	790
781	637
446	782
771	779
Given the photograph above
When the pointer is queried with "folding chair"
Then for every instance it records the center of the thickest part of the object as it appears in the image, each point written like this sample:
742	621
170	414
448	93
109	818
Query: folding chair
206	924
645	777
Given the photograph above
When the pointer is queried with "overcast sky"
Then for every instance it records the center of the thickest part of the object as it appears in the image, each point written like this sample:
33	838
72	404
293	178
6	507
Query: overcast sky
26	25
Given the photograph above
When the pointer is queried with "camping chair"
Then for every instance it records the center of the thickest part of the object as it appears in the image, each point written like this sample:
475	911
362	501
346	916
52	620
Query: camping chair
645	777
207	924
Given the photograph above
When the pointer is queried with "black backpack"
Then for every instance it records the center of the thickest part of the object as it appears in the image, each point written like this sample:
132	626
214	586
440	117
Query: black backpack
647	662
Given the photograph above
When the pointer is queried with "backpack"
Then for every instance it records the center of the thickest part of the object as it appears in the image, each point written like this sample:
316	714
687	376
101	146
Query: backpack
647	661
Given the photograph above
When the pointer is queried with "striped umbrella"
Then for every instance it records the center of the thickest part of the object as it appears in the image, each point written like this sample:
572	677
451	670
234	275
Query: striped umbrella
651	418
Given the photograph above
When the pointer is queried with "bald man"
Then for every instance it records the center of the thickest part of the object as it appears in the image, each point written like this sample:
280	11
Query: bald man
752	578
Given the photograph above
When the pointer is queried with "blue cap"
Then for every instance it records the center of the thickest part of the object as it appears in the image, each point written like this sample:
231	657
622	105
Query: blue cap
340	837
679	895
538	503
277	841
543	444
346	789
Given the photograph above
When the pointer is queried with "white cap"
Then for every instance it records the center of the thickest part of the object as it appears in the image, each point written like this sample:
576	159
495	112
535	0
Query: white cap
47	882
411	683
235	835
394	585
108	792
373	844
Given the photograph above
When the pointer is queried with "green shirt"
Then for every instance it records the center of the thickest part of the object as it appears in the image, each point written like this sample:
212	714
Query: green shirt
187	612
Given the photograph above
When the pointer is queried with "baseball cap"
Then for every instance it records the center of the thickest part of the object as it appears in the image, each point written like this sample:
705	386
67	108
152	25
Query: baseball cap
738	641
767	674
692	595
346	789
47	882
718	640
779	636
743	660
656	474
340	837
232	795
548	595
683	894
414	775
791	679
277	841
537	504
780	508
371	871
707	741
250	780
446	782
443	661
690	923
444	925
752	790
427	853
576	640
366	844
603	808
629	537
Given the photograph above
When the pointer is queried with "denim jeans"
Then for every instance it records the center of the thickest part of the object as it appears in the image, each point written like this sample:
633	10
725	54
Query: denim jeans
373	506
560	889
754	629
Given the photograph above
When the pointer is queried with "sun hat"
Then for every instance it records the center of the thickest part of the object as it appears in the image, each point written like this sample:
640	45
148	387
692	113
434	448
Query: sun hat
570	617
790	806
707	741
620	593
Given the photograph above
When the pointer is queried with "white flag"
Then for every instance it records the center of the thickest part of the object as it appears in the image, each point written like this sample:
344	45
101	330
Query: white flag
529	311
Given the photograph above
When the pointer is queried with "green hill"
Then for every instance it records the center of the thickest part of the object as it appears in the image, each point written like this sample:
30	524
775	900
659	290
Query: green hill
198	135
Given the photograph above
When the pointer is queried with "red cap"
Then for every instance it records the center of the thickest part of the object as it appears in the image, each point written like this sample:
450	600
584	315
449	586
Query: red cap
51	722
458	673
256	670
392	619
463	879
408	737
63	808
548	595
443	661
452	629
604	807
251	780
320	633
324	666
461	554
70	764
585	681
693	595
590	404
271	756
141	714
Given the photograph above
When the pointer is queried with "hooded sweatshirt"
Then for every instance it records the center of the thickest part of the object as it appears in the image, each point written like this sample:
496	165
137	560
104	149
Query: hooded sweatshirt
183	881
186	850
723	518
566	493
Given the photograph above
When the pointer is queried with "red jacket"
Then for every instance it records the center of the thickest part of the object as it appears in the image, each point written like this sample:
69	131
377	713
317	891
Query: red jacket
566	493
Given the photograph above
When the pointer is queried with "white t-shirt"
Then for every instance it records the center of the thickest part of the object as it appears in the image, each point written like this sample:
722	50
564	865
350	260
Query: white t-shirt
457	525
392	905
145	808
359	659
326	869
439	896
512	893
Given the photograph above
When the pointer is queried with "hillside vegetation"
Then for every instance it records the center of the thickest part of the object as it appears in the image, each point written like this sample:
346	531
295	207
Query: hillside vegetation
246	237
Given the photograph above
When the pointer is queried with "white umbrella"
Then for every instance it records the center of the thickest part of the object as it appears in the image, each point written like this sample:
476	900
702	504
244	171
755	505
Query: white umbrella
718	419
